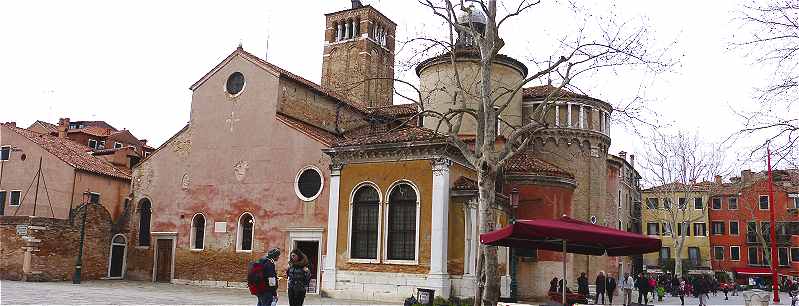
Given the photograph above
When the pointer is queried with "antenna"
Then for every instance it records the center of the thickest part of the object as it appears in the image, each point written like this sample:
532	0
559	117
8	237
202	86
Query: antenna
266	54
549	74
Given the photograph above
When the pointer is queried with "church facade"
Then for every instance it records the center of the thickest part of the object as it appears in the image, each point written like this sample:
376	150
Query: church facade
270	159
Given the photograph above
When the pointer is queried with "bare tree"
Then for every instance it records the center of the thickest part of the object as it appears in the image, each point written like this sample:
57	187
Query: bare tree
680	167
770	31
474	28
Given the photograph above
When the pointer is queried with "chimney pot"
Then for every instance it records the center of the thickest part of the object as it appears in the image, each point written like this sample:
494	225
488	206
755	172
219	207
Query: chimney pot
746	176
632	160
623	155
717	179
12	123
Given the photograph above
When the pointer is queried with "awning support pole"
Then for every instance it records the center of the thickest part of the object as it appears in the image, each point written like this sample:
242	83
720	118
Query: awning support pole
563	279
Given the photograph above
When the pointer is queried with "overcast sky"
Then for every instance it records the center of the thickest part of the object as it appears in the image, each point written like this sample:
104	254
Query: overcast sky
131	63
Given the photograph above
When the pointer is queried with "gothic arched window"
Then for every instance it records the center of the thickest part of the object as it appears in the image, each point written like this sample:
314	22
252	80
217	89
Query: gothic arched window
145	212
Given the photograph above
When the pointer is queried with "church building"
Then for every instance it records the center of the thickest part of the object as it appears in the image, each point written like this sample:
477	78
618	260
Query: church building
270	159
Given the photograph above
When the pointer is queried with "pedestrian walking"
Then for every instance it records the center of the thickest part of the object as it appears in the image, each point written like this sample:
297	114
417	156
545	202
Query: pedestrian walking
600	287
262	278
299	276
610	287
582	285
702	289
653	284
627	285
553	285
642	283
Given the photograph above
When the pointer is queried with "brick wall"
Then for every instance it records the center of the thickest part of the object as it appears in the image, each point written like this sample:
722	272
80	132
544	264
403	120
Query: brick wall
54	244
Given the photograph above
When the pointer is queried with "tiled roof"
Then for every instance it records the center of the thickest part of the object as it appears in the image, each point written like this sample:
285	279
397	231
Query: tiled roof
541	92
52	128
525	163
464	183
679	187
284	73
76	155
404	134
321	135
397	110
94	131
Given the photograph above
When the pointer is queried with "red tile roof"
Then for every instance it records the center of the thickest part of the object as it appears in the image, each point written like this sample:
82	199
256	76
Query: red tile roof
397	110
525	163
325	137
76	155
94	131
404	134
464	183
52	128
543	91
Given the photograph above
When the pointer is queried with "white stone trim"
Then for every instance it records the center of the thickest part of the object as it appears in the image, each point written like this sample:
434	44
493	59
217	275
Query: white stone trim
19	198
569	114
582	116
193	236
415	261
379	224
124	257
309	234
239	233
440	217
297	181
332	228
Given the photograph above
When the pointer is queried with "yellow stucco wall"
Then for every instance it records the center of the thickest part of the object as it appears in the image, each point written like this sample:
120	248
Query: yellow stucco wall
694	215
384	175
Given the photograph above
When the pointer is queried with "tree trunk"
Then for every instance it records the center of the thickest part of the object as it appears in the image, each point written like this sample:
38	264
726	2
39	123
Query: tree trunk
680	242
486	182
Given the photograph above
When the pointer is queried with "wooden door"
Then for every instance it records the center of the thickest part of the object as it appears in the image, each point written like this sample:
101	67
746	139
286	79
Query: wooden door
163	261
117	257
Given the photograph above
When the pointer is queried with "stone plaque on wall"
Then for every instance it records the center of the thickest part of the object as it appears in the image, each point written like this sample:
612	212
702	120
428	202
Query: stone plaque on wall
220	227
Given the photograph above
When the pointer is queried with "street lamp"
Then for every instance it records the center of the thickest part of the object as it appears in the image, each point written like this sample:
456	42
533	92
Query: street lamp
514	284
79	260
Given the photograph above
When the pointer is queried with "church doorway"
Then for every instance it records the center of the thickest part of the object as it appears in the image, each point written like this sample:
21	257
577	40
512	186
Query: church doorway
309	240
117	258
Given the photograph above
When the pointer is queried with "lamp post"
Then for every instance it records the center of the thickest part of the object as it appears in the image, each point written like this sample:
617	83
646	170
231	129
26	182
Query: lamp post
79	260
514	284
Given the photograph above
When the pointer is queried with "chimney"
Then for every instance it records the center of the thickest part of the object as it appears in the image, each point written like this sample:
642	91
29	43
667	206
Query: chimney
746	176
356	4
143	142
632	161
11	124
717	179
63	126
623	155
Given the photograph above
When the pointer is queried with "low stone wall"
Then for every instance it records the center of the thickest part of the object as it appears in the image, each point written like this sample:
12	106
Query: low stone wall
50	248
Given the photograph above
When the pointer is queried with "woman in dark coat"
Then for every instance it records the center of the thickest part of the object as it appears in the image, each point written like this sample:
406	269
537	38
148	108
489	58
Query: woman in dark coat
299	276
553	285
600	287
582	285
610	287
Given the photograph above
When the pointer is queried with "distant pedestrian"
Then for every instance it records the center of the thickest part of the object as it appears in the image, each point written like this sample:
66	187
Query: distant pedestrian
627	285
553	285
582	285
642	283
600	287
299	276
610	287
681	290
653	284
262	278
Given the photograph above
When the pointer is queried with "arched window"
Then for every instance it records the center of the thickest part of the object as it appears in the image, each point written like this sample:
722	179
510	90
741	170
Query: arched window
365	218
198	232
144	222
401	223
244	235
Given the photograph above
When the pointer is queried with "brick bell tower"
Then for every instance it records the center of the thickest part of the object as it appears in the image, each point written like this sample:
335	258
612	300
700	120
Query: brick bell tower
358	60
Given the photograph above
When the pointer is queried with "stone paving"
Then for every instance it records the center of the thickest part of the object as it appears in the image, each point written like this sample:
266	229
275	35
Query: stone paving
713	300
140	293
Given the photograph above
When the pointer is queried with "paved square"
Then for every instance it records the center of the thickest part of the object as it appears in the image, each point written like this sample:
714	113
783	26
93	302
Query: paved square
138	293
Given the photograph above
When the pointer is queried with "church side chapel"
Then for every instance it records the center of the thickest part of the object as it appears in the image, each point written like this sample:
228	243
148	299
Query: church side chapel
382	205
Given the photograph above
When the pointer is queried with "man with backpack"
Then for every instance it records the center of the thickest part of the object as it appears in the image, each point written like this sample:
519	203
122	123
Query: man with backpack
262	278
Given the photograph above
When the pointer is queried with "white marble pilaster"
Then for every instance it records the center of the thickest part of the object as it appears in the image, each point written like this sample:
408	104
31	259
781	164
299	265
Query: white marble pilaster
332	228
569	115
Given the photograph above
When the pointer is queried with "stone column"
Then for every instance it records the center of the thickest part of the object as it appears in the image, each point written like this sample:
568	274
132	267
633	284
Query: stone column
582	116
339	31
329	276
438	277
557	114
569	115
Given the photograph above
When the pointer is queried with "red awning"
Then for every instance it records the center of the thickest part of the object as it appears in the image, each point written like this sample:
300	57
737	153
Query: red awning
580	238
756	271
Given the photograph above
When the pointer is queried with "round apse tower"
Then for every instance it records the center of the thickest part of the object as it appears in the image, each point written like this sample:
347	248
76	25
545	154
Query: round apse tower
439	80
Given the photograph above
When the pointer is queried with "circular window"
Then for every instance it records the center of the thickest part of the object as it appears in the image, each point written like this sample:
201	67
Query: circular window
308	184
235	83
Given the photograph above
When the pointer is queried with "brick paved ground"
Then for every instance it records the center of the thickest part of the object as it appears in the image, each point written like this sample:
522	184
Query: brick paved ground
128	292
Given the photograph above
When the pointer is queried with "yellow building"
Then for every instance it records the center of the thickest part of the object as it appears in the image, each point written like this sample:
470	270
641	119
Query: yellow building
670	212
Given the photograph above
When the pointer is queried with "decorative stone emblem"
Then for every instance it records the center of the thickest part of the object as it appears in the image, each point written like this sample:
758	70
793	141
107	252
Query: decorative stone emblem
240	169
184	181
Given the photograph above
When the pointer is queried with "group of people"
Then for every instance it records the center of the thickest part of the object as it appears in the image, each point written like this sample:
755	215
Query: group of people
606	286
262	278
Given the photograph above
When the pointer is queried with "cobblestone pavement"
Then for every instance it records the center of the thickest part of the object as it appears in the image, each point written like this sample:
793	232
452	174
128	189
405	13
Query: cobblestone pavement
138	293
712	300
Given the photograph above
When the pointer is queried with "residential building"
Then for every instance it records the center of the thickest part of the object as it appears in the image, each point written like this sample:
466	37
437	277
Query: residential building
678	211
97	135
739	217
